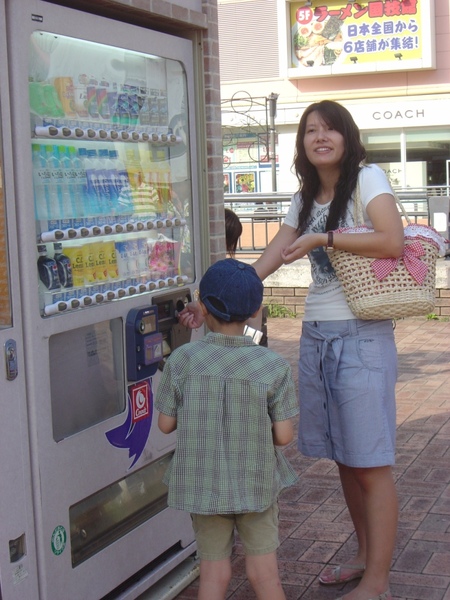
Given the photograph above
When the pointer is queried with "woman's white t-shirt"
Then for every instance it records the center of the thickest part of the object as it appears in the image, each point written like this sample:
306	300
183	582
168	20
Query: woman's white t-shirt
325	300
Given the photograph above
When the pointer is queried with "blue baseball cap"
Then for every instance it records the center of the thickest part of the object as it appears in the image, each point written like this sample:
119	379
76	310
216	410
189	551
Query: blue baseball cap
231	290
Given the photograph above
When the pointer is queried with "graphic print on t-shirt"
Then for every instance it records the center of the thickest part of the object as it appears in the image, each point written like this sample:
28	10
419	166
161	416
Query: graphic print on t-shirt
322	271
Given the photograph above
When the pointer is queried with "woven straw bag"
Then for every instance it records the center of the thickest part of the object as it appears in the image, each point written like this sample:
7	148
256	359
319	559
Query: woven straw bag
390	288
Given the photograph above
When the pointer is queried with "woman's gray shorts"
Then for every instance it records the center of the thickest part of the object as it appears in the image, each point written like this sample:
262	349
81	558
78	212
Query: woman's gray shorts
347	377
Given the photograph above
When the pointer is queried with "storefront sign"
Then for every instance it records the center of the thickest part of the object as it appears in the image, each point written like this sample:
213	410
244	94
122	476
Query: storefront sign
389	113
382	35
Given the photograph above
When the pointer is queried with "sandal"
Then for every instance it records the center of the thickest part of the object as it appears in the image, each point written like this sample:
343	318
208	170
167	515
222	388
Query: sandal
336	575
384	596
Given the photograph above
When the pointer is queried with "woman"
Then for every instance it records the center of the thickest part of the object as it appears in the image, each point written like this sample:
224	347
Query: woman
347	367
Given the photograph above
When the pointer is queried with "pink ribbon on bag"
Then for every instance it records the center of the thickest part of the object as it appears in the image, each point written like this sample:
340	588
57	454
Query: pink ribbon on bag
411	253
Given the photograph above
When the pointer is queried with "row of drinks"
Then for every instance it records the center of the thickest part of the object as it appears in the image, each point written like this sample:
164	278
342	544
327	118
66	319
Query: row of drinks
125	104
86	187
99	262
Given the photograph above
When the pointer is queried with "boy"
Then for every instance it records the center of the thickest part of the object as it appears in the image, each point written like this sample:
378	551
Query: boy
231	402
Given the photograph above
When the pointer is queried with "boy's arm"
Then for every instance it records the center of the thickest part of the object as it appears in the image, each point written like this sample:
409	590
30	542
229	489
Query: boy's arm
167	424
282	432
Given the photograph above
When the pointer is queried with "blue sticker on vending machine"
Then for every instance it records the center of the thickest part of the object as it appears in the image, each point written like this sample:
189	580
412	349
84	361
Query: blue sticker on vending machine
133	433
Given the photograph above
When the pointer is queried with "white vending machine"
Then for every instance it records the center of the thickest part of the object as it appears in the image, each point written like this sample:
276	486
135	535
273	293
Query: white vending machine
100	160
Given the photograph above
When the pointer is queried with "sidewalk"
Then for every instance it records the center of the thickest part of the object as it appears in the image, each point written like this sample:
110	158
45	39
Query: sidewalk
315	526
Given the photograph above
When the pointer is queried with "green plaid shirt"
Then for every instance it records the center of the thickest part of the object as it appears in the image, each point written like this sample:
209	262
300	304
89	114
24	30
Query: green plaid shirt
225	392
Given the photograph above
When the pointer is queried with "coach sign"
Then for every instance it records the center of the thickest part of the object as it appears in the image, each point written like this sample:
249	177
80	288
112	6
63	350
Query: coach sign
398	113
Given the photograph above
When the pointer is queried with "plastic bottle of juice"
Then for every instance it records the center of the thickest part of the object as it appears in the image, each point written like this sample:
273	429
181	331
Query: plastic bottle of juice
105	180
113	179
122	258
134	168
142	259
112	103
64	266
41	182
149	186
93	182
89	263
75	255
124	202
80	181
98	251
67	183
48	269
111	260
55	187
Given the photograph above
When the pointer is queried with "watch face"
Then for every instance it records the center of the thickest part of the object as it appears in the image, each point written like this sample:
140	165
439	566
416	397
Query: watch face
330	244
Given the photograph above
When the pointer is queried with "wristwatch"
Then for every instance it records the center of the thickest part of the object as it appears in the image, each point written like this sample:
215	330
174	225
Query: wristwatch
330	241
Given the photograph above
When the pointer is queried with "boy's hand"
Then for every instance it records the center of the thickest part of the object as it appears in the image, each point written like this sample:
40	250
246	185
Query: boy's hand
191	316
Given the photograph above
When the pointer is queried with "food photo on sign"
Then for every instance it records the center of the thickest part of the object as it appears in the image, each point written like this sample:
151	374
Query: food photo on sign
318	43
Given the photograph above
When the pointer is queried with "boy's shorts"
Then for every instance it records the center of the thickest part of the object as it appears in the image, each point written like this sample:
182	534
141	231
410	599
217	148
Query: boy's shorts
258	532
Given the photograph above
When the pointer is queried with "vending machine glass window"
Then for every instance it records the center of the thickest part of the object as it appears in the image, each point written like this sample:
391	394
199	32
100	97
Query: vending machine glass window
86	377
111	172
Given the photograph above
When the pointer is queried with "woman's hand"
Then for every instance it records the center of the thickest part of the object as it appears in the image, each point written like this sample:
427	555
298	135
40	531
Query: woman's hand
302	245
191	316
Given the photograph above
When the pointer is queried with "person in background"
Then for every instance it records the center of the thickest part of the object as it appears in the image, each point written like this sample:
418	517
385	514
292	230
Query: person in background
231	403
347	367
233	231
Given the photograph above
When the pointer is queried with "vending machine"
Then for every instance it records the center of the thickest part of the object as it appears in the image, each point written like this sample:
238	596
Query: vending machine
105	177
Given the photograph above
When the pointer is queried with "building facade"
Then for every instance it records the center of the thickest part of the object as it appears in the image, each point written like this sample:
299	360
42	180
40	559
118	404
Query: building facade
387	61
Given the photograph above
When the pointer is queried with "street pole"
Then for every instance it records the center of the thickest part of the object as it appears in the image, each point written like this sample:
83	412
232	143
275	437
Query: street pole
273	152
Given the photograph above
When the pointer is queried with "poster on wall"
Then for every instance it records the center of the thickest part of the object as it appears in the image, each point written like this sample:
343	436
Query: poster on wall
339	39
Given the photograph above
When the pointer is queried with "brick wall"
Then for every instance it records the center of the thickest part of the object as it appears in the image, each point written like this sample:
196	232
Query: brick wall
293	298
210	47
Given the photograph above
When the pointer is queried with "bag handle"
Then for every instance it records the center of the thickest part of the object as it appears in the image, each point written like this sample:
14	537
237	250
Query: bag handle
358	214
402	208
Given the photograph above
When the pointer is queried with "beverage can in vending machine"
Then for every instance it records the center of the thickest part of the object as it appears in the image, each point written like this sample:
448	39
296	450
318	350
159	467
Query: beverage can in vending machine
102	100
91	96
65	90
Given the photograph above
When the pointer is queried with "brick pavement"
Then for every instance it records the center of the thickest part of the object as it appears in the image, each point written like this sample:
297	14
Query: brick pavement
315	526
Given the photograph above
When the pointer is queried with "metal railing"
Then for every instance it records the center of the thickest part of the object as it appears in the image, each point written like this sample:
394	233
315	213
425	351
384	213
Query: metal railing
262	214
